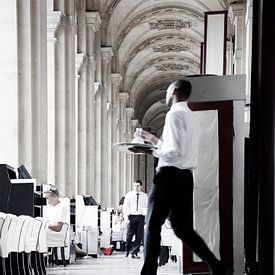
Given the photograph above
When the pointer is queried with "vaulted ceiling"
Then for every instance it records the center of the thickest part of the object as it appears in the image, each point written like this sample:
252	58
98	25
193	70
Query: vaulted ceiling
154	43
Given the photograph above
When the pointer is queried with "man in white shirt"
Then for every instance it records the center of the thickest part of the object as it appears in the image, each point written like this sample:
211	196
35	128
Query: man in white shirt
172	191
134	207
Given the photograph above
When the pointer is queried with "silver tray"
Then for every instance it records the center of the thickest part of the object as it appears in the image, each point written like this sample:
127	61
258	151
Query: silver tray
125	146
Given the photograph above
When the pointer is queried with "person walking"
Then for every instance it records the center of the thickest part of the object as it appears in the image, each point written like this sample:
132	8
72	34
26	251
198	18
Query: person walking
134	206
172	191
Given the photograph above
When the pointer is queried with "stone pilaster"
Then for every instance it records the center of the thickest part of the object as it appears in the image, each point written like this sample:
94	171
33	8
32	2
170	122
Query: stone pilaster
52	23
116	80
129	135
81	79
39	90
70	131
24	83
106	177
97	129
123	97
93	22
238	12
248	30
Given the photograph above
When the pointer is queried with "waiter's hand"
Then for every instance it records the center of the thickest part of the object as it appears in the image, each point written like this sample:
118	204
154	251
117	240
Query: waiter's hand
148	137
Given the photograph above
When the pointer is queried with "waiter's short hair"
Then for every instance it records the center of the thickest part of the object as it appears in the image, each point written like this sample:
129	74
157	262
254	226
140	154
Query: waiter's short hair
138	181
183	87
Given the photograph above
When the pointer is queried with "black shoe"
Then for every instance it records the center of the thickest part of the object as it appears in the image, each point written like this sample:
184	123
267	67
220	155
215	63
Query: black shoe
127	254
135	256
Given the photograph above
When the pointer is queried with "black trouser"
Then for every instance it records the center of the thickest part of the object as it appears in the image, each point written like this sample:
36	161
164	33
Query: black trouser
171	196
135	227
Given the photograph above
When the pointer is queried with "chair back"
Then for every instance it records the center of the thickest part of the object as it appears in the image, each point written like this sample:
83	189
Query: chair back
6	232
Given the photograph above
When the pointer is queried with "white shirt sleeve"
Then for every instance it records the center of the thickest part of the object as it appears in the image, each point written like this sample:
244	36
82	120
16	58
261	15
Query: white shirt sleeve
174	133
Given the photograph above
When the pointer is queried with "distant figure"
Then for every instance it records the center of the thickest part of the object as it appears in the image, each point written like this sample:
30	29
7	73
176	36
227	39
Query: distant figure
56	214
172	191
134	207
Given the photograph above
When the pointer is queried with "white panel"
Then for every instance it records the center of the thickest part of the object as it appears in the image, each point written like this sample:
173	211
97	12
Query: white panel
206	177
215	44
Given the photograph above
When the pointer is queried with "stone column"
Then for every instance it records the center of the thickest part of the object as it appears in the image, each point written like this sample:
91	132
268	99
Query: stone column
106	55
52	21
238	11
70	130
134	159
39	89
60	137
129	114
92	23
123	97
81	125
65	147
24	83
97	129
116	80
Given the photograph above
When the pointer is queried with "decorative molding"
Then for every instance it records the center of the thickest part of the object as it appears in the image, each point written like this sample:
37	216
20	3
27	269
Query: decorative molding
129	111
135	123
109	107
106	54
171	24
171	67
123	96
93	20
98	86
171	48
53	19
116	79
65	21
80	62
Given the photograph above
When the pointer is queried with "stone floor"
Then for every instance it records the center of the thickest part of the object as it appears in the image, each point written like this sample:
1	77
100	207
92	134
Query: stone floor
116	264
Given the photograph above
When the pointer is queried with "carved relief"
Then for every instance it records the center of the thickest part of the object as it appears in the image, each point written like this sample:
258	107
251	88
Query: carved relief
163	24
171	67
171	48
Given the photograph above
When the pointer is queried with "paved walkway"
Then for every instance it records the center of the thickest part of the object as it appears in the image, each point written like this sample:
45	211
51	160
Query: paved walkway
116	264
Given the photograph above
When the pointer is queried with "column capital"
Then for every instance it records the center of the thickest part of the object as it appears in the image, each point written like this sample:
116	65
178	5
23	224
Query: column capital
123	96
98	86
135	123
107	53
65	21
53	19
129	111
116	78
80	62
93	20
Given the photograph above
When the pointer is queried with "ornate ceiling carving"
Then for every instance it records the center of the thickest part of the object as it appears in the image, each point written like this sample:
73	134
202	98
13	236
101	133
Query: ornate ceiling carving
164	24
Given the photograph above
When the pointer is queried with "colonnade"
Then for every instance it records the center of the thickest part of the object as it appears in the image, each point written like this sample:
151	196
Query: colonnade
71	105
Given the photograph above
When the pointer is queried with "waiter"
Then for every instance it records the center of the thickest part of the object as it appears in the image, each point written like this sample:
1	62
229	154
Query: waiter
134	209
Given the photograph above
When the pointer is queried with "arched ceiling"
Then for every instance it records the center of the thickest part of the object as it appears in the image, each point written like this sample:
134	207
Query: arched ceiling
154	43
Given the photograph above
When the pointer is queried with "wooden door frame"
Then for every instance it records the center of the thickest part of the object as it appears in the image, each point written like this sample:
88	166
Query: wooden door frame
226	134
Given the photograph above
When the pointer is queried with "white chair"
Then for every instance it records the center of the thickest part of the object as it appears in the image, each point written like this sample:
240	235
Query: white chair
58	239
31	244
2	220
23	258
7	232
42	248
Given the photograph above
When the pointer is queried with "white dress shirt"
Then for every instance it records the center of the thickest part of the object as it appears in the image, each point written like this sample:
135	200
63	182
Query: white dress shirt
56	214
180	144
133	207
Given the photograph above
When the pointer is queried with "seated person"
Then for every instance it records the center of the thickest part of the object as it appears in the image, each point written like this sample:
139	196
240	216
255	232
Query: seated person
56	212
